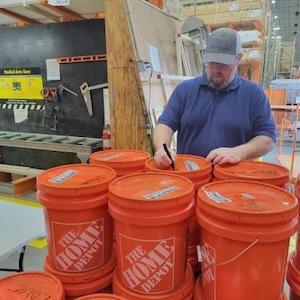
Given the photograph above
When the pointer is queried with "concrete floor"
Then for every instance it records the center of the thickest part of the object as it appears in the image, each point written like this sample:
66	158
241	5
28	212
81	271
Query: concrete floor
34	257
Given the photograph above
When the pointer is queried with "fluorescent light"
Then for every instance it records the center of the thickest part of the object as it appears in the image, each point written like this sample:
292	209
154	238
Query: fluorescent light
276	28
278	37
273	1
7	3
275	17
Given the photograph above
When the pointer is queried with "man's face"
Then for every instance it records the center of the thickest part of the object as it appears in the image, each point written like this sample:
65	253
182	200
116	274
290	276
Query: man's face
220	75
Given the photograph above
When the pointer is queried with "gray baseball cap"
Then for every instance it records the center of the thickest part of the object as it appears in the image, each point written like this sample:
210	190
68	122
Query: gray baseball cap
223	46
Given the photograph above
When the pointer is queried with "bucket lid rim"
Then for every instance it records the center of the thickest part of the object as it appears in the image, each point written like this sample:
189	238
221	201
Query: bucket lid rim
55	280
43	181
222	170
143	155
215	205
115	182
207	169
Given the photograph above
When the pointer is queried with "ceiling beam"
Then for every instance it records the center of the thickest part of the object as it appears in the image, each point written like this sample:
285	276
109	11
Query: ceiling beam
67	14
19	18
100	15
42	12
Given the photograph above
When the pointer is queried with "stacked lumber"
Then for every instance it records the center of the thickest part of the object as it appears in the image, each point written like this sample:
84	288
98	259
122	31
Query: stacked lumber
245	16
227	12
286	57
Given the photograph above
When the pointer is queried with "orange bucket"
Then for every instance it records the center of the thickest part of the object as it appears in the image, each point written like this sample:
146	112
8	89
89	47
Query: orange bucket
184	292
293	278
31	285
79	228
199	171
151	214
245	229
101	297
254	170
297	255
122	161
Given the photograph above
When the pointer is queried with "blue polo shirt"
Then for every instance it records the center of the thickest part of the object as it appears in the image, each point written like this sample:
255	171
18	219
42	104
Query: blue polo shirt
206	118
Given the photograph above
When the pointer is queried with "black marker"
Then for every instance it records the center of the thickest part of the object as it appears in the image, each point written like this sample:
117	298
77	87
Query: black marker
169	155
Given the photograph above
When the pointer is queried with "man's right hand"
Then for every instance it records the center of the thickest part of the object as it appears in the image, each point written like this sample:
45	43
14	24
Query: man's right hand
161	158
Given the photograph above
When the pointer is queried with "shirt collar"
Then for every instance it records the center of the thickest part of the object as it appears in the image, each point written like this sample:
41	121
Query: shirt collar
235	83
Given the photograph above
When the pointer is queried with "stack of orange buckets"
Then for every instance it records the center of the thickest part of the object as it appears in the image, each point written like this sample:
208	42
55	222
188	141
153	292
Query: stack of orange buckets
248	206
79	227
245	228
293	272
199	171
151	213
242	225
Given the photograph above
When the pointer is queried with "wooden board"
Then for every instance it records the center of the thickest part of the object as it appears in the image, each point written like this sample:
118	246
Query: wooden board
128	123
134	94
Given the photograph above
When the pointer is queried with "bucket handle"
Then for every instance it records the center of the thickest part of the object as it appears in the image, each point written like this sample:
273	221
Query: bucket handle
229	260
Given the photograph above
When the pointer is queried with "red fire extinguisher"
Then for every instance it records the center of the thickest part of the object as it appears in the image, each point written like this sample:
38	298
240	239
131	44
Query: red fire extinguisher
106	137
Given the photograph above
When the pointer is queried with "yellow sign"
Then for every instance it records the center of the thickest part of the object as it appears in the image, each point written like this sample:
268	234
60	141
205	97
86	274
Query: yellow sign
21	84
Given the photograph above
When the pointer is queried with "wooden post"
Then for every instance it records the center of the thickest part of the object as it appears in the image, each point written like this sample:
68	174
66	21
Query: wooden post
127	105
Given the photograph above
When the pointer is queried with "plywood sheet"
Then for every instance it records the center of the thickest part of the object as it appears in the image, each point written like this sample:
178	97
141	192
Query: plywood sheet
128	122
153	28
133	28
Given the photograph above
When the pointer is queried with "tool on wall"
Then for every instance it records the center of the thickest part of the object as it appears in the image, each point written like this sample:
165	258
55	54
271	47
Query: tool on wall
85	91
50	94
53	96
62	88
50	114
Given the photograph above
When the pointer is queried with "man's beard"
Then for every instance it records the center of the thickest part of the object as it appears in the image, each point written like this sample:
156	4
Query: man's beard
218	83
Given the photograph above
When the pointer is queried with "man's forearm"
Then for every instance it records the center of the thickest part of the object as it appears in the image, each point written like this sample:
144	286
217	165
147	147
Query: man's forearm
162	134
258	146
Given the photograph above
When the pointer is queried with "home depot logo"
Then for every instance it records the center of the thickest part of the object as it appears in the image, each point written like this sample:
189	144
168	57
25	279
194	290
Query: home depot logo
207	257
148	266
81	246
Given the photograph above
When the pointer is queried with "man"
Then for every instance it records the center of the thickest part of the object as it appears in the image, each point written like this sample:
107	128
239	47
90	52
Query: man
219	115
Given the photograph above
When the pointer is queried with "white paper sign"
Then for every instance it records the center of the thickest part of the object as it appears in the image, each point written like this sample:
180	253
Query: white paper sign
234	7
53	69
154	58
255	13
20	114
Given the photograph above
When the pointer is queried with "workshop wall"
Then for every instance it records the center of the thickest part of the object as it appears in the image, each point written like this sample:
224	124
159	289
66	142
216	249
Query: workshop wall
29	47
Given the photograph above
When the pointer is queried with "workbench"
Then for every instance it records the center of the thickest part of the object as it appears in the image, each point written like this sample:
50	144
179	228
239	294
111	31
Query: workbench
82	146
20	224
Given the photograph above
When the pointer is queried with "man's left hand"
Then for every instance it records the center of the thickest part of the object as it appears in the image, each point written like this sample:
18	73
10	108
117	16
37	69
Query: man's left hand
224	155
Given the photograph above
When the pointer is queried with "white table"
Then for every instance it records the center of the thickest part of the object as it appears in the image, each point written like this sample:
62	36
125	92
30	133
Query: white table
19	224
